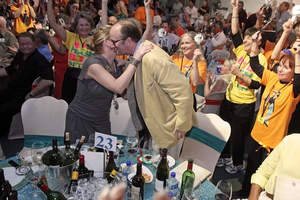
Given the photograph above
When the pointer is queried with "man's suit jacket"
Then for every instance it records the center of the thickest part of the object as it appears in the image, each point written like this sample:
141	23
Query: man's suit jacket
164	97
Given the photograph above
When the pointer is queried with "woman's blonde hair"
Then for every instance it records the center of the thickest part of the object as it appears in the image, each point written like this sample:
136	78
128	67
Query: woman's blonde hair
96	41
190	34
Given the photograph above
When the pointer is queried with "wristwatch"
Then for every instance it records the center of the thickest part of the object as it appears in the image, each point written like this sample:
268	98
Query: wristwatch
134	61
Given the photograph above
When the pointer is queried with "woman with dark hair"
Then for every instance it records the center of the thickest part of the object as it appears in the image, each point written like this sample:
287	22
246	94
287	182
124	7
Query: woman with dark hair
77	48
72	9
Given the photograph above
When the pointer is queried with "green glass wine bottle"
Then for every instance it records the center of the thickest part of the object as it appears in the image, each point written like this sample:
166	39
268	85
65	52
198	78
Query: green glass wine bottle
69	156
74	182
78	146
188	178
162	172
137	185
51	195
54	156
110	165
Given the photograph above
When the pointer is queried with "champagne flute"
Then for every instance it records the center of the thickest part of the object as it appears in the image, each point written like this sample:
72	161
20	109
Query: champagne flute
223	190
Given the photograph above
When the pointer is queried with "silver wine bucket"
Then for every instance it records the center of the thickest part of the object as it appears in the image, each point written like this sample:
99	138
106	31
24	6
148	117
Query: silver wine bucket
58	178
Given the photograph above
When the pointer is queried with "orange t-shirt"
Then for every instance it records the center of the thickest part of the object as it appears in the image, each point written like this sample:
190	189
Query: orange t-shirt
20	25
185	65
140	14
273	118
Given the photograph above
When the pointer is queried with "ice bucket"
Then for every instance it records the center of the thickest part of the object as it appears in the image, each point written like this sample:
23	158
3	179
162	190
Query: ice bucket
58	178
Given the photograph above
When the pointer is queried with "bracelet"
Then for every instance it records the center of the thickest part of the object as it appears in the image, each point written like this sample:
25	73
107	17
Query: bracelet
134	61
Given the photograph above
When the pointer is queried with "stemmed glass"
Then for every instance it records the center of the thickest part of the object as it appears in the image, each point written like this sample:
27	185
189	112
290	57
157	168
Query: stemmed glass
131	144
223	190
37	150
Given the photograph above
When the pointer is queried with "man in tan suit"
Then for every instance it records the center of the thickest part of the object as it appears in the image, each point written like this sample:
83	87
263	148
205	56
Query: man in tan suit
163	95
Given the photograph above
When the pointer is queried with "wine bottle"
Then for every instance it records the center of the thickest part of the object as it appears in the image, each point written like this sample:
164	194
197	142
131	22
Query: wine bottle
112	176
74	182
78	146
69	155
53	157
188	178
110	165
5	190
83	172
51	195
137	185
162	171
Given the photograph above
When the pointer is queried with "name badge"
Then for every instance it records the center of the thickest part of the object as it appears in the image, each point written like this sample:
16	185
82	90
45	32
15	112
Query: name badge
104	141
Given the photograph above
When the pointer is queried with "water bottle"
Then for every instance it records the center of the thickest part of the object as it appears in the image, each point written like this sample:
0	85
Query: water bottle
173	185
127	169
171	195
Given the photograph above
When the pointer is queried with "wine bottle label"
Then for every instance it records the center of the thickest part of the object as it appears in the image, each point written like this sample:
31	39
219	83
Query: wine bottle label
135	192
159	185
74	175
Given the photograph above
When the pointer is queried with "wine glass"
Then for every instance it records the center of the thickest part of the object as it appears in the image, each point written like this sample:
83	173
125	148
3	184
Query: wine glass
131	144
223	190
37	150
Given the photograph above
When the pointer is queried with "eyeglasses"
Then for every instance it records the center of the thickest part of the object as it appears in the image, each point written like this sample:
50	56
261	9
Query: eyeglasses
115	41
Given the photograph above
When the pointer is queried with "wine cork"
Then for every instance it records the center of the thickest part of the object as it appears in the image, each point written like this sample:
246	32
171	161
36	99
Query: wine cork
67	136
82	139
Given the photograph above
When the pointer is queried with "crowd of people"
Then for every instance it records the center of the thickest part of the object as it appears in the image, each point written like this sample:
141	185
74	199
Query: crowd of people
161	56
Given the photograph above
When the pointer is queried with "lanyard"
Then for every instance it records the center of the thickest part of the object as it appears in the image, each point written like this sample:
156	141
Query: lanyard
188	71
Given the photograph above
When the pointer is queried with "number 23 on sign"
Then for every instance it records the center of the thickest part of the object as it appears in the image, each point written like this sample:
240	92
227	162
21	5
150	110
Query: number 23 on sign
105	141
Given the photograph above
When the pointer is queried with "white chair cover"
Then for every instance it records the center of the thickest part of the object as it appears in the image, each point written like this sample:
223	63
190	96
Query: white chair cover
206	154
121	122
44	116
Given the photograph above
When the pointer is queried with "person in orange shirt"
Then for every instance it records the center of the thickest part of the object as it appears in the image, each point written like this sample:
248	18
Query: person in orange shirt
140	14
278	102
190	61
23	15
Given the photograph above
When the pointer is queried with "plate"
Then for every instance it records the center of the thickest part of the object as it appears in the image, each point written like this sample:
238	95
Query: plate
145	170
171	160
11	176
146	159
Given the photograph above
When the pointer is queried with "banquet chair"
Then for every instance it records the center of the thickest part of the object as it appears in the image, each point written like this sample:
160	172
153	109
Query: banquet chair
205	141
213	102
16	130
44	116
120	118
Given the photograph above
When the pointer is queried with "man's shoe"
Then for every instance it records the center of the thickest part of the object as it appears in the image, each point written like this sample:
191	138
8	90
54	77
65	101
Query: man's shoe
224	162
231	169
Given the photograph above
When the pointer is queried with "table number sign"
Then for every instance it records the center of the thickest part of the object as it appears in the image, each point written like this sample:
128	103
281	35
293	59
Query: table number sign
104	141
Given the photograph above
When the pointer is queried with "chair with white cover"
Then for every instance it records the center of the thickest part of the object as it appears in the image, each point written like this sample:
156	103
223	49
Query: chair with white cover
44	116
205	141
121	122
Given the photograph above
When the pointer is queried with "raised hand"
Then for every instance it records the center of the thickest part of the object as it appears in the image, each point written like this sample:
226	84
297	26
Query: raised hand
296	46
235	70
288	26
234	3
198	54
147	3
